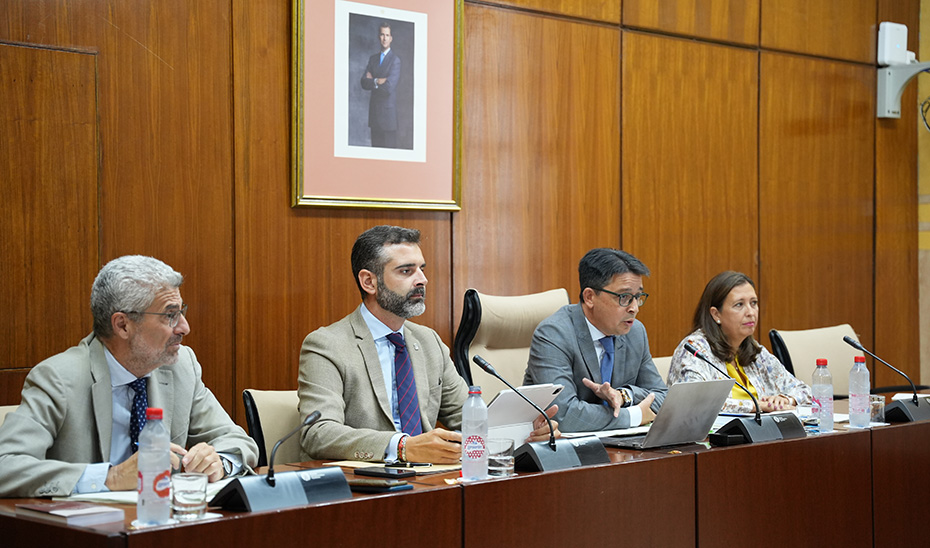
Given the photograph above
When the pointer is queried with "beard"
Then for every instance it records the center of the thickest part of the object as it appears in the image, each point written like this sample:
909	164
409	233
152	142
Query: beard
404	306
146	357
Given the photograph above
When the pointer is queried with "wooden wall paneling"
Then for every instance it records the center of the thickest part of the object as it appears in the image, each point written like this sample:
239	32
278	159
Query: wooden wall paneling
607	11
689	172
48	178
293	271
540	156
816	193
11	385
897	334
168	147
165	118
839	29
725	20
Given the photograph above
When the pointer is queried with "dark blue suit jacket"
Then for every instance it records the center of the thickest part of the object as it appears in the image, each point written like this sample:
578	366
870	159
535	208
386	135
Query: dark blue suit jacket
382	109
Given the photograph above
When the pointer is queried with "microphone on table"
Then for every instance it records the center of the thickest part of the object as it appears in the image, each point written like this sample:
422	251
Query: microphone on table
751	430
556	454
254	493
901	410
489	369
311	418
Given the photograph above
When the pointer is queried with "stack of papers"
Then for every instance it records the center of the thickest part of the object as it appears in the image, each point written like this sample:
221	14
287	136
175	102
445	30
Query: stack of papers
71	513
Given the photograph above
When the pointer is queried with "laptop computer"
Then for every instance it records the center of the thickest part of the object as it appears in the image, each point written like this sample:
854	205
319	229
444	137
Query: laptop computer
686	416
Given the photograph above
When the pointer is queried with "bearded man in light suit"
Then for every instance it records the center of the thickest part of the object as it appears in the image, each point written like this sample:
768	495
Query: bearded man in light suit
72	433
598	350
350	373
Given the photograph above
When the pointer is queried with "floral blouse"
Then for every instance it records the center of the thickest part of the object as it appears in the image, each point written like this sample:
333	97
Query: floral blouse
766	373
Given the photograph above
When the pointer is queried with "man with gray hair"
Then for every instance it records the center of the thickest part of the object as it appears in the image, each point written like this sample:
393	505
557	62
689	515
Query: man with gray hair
77	428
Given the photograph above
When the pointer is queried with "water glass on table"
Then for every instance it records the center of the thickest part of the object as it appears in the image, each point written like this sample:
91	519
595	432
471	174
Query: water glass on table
877	408
188	495
500	457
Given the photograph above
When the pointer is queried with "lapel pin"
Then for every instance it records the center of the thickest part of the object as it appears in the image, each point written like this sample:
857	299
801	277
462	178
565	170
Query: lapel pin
416	346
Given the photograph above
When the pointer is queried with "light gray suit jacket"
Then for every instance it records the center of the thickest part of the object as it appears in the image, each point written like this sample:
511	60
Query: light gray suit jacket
66	416
340	376
562	352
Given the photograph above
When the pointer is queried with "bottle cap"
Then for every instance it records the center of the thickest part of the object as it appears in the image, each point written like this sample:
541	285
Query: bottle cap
821	361
153	413
474	389
859	359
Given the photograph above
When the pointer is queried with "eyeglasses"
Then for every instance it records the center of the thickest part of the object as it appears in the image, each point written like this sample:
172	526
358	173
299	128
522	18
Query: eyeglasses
173	317
625	299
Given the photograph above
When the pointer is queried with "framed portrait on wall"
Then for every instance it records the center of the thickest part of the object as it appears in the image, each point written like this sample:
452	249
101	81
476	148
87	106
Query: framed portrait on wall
375	104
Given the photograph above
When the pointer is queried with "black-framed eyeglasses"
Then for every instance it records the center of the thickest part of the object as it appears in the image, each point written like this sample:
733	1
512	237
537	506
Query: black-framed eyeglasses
173	317
626	298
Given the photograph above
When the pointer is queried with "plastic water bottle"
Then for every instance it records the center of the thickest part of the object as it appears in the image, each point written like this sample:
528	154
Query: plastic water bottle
859	413
154	504
474	436
822	389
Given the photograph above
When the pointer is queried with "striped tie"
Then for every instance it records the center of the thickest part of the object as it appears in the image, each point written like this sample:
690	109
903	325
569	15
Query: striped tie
137	415
407	402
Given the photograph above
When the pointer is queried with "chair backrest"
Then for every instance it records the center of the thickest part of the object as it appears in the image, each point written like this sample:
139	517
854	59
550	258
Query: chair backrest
500	330
6	410
802	348
663	364
269	415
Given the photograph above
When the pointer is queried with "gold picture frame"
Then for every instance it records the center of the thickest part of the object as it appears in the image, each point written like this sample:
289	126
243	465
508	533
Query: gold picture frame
333	160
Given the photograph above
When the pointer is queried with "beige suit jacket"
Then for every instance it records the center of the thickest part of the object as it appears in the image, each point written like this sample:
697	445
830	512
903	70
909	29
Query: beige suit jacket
340	376
66	417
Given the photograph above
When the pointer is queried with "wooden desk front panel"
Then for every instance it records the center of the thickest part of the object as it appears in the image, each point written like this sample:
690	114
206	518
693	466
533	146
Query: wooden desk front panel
806	492
17	531
579	507
421	518
900	459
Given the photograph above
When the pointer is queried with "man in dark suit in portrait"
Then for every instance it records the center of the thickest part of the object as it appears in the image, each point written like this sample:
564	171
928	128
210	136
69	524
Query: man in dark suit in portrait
380	79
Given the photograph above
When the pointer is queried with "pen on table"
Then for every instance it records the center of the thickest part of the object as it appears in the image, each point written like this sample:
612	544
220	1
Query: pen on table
408	464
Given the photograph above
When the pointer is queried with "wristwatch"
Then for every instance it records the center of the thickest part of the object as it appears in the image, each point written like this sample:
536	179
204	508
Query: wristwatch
227	467
627	397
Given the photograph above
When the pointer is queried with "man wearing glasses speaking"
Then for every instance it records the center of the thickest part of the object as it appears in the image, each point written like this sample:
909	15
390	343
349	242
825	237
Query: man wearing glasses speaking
77	428
598	350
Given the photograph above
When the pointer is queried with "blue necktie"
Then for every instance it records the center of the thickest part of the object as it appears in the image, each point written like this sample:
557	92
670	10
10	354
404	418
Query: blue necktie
382	59
407	402
137	415
607	361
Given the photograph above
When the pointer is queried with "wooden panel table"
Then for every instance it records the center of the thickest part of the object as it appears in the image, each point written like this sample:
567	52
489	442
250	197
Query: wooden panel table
429	515
900	474
814	491
586	506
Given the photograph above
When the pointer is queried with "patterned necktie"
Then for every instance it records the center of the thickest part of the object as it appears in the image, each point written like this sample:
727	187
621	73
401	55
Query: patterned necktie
407	402
137	415
607	361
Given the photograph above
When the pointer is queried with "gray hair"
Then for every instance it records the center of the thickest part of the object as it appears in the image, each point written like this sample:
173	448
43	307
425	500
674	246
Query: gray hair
128	284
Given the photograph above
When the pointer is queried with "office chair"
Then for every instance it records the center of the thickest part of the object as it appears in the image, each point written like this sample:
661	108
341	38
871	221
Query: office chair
500	330
798	352
5	410
269	415
663	364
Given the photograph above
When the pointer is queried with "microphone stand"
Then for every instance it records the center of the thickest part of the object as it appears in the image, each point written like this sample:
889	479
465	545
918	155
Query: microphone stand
311	418
556	454
751	430
900	410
